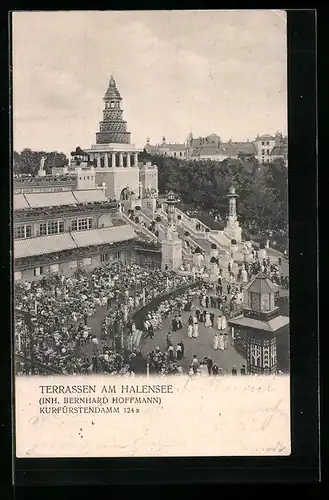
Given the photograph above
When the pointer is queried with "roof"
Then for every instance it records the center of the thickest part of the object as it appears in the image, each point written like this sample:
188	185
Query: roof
42	245
266	137
279	150
20	202
89	195
177	147
269	326
104	235
261	284
55	199
225	149
58	198
234	148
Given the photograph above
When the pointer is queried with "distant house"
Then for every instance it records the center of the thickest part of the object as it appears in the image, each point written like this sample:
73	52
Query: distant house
174	150
265	148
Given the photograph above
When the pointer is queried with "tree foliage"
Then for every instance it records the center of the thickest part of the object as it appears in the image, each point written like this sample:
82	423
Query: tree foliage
28	161
262	188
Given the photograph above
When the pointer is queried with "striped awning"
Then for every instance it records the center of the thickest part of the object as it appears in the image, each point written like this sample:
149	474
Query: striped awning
43	245
55	199
102	236
89	195
20	202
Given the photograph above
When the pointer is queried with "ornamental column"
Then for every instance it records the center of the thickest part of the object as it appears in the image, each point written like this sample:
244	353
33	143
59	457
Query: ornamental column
99	161
128	160
121	160
106	161
135	159
113	160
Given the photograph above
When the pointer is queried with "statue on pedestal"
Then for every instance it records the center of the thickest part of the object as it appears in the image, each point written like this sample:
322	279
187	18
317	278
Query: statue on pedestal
42	163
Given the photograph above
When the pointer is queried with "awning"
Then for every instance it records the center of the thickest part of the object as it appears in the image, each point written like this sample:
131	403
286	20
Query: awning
102	236
55	199
20	202
43	245
89	195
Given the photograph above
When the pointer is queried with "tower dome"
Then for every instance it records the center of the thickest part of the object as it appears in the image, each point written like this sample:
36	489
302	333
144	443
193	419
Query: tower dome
113	129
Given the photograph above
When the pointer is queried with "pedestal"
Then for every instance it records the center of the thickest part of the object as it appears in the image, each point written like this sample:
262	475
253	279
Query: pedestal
171	254
233	230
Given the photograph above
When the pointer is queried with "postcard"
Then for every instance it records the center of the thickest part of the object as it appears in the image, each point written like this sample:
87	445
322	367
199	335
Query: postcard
150	233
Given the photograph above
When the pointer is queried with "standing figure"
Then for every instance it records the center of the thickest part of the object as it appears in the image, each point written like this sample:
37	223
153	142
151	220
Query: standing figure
219	323
189	330
195	333
207	322
221	342
215	341
224	322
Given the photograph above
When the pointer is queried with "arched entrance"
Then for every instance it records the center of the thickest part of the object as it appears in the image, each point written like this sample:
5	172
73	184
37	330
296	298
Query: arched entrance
125	193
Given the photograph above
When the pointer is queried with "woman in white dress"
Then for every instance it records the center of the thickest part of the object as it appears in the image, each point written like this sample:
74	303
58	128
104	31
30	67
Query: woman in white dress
225	340
195	334
189	331
221	342
219	323
203	370
215	341
224	323
207	322
203	301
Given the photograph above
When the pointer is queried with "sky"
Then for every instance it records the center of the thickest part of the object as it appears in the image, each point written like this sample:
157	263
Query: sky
221	72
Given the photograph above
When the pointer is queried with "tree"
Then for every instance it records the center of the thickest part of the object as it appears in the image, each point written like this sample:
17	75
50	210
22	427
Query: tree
204	184
28	161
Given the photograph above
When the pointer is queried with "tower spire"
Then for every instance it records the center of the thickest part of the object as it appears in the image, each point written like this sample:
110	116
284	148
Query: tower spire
113	129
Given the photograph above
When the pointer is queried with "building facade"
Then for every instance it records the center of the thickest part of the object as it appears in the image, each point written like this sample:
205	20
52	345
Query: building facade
264	148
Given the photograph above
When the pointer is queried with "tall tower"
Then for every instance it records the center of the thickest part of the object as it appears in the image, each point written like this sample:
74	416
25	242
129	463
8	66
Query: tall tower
113	129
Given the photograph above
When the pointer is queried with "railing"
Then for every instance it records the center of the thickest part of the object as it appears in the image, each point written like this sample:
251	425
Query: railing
138	227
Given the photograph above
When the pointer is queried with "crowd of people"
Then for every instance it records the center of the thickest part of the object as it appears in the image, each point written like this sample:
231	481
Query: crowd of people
62	307
63	340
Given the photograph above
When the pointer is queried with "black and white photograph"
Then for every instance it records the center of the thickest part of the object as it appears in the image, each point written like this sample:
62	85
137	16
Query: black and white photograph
150	201
150	195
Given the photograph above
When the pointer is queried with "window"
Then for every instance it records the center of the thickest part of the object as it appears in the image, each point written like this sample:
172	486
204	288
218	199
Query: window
268	151
263	143
52	227
43	228
112	105
181	154
267	144
73	264
37	271
61	226
54	268
21	232
174	153
74	225
104	257
84	224
86	261
263	151
18	275
116	255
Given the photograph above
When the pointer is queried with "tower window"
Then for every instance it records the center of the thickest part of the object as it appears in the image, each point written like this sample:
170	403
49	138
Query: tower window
112	105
